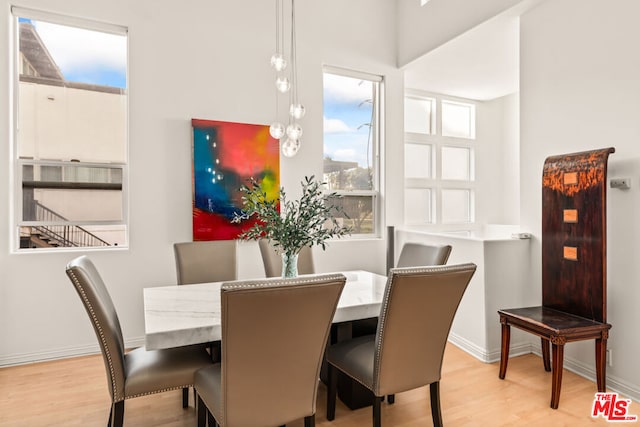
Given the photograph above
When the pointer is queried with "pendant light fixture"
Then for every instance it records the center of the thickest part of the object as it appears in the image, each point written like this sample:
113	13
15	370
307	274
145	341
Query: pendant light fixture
290	136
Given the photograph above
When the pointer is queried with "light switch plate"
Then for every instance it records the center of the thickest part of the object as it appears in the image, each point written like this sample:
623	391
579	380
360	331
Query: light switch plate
621	183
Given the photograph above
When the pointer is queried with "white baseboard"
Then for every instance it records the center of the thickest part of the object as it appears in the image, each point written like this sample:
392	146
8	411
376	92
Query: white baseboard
629	391
469	347
482	354
60	353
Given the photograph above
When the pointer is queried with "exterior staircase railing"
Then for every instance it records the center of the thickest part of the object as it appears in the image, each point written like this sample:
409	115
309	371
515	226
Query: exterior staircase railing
62	235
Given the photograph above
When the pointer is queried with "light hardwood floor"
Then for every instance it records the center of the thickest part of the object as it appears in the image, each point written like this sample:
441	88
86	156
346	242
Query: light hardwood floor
73	392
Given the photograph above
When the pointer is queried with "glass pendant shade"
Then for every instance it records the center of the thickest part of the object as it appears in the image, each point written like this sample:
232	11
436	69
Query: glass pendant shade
297	111
278	62
283	84
286	82
294	131
290	147
276	130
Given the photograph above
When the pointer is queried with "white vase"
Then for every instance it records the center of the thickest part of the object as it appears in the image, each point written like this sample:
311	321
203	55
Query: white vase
289	265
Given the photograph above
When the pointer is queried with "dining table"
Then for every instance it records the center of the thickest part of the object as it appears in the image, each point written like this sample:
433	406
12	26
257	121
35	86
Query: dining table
183	315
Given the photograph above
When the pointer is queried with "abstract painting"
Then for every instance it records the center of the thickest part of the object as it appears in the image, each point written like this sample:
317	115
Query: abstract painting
225	156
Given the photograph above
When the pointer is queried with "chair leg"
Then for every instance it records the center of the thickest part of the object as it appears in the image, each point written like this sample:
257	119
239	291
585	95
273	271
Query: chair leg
310	421
185	397
545	354
556	382
391	399
504	353
116	416
332	389
601	364
377	415
436	412
201	411
211	419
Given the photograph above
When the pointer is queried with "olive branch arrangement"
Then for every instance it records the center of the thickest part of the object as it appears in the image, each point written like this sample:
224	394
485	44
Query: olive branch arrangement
307	221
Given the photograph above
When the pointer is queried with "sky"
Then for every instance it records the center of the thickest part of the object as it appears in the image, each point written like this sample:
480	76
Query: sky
347	115
84	55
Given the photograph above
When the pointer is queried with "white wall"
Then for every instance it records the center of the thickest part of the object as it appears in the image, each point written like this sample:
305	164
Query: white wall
497	171
580	90
423	28
510	187
196	60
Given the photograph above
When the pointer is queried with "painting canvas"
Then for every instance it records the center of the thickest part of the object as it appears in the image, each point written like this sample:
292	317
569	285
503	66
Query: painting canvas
225	156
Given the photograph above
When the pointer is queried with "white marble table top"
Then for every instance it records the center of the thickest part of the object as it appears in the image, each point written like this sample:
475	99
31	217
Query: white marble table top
190	314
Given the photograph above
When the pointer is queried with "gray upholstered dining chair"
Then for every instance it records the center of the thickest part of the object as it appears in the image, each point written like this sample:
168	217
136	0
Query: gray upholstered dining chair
418	254
407	350
273	261
138	372
205	261
274	334
202	262
413	255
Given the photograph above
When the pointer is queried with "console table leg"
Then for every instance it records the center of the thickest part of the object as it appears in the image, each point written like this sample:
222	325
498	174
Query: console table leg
556	384
504	352
601	364
545	354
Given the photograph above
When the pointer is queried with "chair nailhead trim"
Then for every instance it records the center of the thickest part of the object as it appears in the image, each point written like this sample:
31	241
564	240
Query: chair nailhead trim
76	282
157	391
266	283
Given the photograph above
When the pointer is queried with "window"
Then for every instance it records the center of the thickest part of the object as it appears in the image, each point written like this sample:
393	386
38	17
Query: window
456	206
439	161
456	163
458	120
70	132
419	115
418	206
417	160
351	144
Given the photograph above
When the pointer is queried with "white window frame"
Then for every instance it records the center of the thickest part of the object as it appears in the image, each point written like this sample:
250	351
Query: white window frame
16	167
376	134
435	183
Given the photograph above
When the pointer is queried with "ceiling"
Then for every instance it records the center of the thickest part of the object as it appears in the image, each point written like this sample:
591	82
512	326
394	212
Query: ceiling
481	64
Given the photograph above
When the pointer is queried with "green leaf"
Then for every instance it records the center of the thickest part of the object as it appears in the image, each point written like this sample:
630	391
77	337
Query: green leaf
295	223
